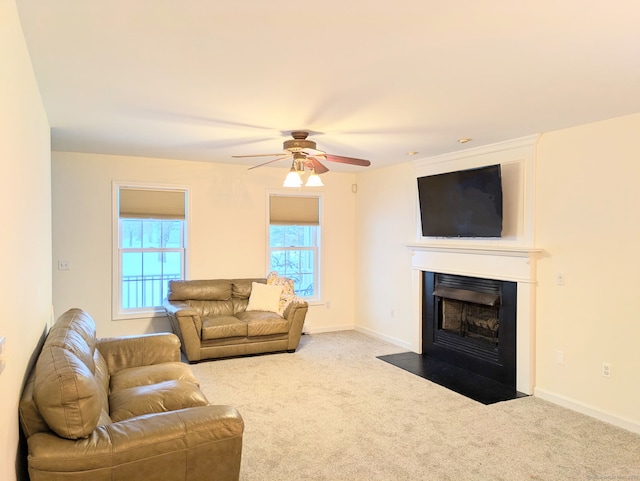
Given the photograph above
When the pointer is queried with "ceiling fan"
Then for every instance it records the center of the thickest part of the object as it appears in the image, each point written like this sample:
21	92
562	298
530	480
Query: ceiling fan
304	154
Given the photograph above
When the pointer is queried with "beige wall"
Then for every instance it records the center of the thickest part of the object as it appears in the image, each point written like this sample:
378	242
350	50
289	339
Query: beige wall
587	223
386	221
25	211
226	239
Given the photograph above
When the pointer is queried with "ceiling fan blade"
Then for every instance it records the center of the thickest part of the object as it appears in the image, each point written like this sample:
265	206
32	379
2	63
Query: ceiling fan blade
314	152
317	166
269	162
347	160
256	155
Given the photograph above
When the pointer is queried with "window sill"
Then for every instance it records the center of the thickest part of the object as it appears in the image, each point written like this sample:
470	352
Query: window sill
146	314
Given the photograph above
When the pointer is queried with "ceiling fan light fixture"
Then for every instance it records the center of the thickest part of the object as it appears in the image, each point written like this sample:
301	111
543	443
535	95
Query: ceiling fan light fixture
314	180
292	179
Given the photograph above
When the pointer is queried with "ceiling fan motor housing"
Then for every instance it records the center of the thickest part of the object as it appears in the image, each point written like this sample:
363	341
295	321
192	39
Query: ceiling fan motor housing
299	142
298	145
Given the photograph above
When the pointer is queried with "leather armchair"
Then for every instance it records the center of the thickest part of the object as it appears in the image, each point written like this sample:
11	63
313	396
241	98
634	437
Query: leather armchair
120	409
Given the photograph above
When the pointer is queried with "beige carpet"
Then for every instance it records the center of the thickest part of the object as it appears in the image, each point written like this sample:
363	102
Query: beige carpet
332	411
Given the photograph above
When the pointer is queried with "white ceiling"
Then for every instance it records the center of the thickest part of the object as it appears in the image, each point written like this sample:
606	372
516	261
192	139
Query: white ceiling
203	79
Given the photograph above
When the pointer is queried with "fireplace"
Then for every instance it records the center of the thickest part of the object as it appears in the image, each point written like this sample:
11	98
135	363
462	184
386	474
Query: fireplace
470	322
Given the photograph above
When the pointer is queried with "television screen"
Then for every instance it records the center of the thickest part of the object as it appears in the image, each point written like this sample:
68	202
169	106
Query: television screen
466	203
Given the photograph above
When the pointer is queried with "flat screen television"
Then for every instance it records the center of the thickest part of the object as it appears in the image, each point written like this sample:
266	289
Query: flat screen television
466	203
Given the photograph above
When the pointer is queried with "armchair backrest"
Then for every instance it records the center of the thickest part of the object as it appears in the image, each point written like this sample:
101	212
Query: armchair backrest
67	392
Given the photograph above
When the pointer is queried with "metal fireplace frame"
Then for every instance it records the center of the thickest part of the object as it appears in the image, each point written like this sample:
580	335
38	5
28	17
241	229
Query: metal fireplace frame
497	361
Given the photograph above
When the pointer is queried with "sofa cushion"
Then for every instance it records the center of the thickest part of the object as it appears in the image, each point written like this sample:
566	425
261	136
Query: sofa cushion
213	308
264	297
152	374
222	327
263	323
67	393
155	398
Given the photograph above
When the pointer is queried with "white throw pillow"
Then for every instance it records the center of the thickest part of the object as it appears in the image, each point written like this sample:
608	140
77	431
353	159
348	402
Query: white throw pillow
264	297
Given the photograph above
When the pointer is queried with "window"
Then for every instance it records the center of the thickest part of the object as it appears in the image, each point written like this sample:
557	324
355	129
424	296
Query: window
294	241
150	240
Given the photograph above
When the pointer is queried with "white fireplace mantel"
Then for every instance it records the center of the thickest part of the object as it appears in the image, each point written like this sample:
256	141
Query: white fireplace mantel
491	261
504	262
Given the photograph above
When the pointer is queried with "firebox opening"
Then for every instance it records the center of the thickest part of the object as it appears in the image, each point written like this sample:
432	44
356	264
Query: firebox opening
470	320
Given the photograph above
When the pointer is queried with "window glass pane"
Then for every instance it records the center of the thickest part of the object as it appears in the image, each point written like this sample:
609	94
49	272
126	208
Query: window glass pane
172	234
131	276
151	233
131	233
292	235
276	235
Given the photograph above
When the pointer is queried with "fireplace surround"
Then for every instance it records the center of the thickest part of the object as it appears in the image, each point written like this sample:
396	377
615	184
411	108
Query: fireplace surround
505	263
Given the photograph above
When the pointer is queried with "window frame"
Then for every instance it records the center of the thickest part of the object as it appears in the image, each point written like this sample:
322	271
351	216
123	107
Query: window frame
318	261
117	311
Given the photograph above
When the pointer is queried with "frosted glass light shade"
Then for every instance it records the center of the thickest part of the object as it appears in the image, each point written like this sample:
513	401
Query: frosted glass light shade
314	180
292	180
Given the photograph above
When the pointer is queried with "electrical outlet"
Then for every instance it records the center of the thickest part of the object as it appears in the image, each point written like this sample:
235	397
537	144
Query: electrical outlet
63	265
560	279
606	369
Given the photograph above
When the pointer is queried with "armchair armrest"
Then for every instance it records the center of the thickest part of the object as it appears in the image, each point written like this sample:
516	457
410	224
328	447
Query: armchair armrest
142	350
147	447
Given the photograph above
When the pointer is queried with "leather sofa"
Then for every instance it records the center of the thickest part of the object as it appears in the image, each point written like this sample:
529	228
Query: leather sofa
214	318
120	409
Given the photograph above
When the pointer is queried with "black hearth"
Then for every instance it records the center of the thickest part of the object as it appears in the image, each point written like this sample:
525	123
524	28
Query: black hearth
471	323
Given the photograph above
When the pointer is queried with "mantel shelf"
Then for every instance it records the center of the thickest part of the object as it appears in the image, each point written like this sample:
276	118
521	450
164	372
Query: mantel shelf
494	250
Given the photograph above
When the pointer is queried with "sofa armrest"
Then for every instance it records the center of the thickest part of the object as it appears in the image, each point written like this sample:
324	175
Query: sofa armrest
142	350
147	447
187	324
295	313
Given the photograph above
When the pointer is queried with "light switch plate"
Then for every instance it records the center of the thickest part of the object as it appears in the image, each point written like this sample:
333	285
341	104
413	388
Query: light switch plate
3	353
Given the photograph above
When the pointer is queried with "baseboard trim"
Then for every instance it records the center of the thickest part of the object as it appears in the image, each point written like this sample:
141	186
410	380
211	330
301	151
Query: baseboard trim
582	408
391	340
319	330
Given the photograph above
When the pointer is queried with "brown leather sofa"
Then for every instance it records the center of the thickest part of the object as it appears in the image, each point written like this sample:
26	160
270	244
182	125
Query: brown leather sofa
120	409
212	320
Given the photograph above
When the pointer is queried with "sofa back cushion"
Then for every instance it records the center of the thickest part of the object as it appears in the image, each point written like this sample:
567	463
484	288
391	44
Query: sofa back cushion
67	393
75	331
214	297
69	396
205	290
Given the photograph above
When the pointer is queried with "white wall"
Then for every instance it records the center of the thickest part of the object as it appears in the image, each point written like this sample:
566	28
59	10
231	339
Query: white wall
25	211
226	239
587	223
